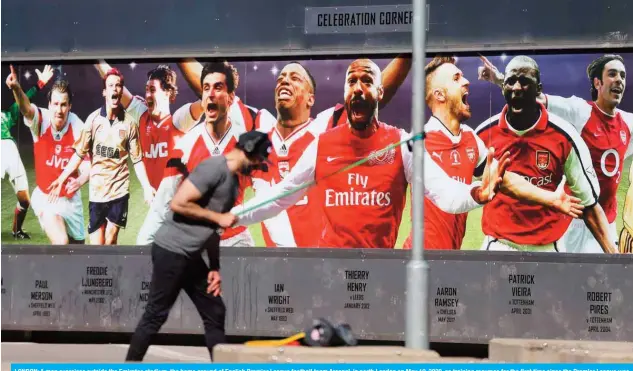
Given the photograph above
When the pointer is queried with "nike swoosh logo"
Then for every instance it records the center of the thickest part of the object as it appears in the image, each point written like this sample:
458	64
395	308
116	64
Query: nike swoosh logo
330	159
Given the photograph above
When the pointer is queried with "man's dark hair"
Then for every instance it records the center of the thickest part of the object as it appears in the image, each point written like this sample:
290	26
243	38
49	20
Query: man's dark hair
312	81
61	86
596	68
167	78
229	71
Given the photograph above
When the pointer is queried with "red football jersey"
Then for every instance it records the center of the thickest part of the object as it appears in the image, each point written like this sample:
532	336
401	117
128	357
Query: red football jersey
158	141
542	155
52	149
198	145
609	141
459	156
363	206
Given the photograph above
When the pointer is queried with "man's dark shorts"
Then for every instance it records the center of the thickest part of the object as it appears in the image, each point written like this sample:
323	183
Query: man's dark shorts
114	211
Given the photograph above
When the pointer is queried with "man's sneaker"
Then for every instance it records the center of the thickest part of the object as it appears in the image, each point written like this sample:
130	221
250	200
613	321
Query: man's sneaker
21	235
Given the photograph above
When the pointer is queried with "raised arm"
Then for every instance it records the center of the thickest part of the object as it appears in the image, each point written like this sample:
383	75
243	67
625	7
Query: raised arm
23	102
393	76
489	72
192	70
103	67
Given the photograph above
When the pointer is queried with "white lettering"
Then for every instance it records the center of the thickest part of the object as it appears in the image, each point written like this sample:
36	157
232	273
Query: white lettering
356	198
459	179
357	179
157	150
57	162
603	163
539	181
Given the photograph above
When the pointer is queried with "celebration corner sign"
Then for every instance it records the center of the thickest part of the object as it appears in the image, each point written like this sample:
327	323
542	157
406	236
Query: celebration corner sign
359	19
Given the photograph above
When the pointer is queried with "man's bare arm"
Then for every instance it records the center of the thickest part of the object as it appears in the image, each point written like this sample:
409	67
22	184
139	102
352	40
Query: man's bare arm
393	76
192	70
596	221
24	104
184	203
515	186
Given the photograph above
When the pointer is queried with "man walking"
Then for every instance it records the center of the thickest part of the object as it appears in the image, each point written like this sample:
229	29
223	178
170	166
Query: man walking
199	213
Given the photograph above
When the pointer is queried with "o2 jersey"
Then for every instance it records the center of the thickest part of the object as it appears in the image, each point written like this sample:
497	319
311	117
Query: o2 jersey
361	207
541	154
52	149
608	139
460	157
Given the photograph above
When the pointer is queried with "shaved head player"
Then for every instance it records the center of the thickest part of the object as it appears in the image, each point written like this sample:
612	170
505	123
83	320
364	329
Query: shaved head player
456	148
544	148
375	189
603	127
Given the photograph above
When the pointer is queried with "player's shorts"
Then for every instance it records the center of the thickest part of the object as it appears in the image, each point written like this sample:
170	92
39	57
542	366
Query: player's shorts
494	244
70	209
13	166
241	239
114	211
579	239
625	244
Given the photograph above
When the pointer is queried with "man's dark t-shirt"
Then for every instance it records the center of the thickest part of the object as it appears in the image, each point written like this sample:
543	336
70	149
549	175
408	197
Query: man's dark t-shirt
219	189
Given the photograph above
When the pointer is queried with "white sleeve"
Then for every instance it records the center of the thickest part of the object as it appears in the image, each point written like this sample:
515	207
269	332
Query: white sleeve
182	118
137	108
574	110
302	173
445	192
448	194
579	171
407	156
628	119
34	124
266	121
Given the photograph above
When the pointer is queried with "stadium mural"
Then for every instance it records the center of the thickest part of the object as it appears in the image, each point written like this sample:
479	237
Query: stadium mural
92	152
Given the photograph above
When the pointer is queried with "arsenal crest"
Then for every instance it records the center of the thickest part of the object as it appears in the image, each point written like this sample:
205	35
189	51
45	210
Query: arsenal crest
471	154
542	159
382	157
58	149
623	136
122	134
284	169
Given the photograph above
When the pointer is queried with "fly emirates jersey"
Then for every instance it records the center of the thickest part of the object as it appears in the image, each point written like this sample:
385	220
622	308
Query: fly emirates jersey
608	138
362	207
541	154
460	156
52	149
299	225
